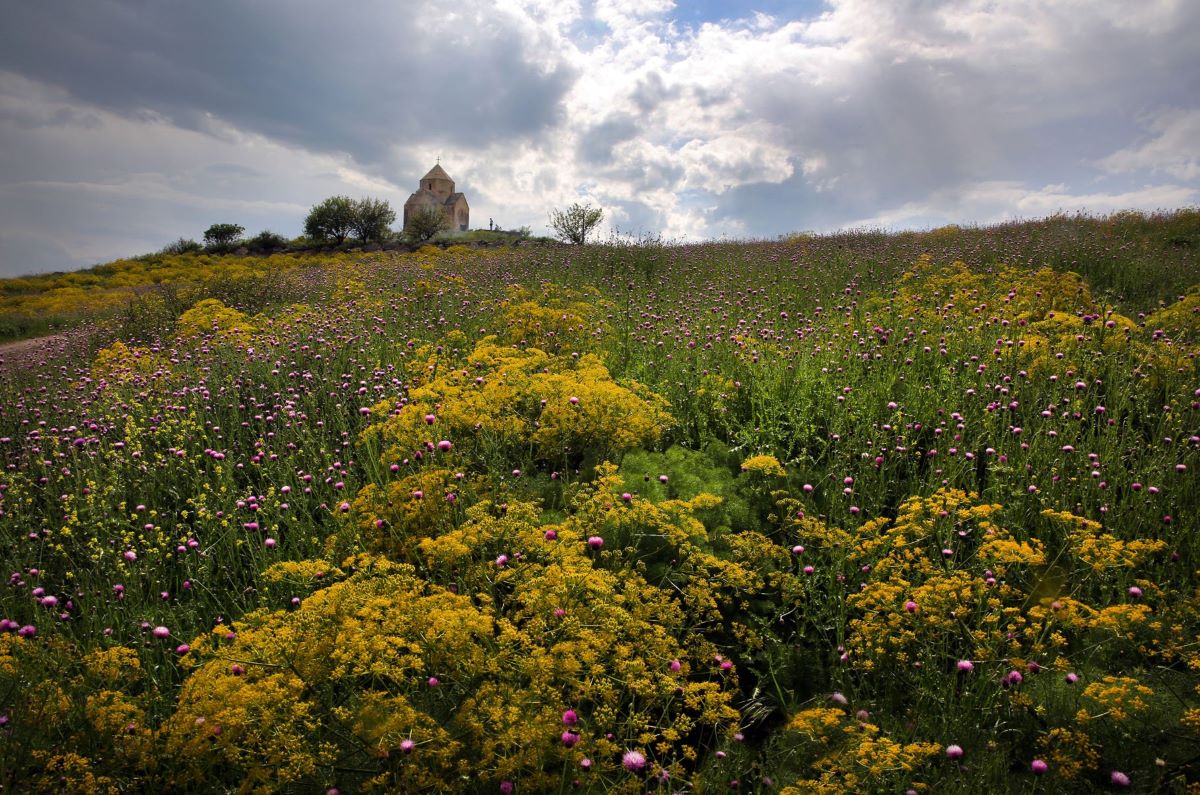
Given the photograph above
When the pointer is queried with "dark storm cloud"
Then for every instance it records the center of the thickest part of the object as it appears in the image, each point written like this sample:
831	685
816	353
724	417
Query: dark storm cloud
767	210
639	173
894	130
232	170
353	77
651	91
26	119
596	142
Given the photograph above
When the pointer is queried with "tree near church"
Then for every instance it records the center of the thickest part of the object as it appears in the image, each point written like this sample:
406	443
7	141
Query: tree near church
371	219
424	223
332	219
575	223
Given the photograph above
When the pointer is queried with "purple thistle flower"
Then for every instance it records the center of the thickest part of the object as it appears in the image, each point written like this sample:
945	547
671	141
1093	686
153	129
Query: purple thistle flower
633	761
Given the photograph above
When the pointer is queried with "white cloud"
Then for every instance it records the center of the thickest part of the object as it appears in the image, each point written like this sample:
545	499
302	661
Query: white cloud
729	159
621	13
1174	149
990	202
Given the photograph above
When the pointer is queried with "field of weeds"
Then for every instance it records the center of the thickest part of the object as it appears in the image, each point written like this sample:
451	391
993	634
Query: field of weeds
861	512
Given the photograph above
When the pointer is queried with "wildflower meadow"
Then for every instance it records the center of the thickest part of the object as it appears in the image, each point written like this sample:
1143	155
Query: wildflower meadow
861	512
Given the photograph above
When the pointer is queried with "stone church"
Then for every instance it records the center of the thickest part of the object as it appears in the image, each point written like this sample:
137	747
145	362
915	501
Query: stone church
437	190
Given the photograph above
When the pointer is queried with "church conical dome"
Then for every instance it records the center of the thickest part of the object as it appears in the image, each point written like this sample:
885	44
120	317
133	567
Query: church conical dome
437	172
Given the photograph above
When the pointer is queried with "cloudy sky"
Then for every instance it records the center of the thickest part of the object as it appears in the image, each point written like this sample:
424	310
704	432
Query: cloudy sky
125	124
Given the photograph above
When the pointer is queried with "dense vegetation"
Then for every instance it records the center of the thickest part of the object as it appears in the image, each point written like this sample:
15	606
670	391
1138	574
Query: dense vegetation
863	512
158	287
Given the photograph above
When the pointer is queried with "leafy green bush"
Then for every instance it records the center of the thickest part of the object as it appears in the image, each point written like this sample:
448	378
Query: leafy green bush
266	242
221	238
182	246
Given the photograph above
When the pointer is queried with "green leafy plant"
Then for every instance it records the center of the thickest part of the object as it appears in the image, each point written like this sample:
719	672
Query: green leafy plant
575	223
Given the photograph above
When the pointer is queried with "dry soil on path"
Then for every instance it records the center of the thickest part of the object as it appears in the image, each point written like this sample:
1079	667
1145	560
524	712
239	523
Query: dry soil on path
24	353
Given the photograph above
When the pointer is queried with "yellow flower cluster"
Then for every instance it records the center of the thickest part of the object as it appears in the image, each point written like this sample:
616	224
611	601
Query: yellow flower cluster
1069	752
915	602
106	288
90	704
112	667
1002	552
765	465
855	756
554	320
1181	320
71	774
1101	550
1117	697
819	724
290	578
419	679
1050	335
956	290
391	517
507	399
1121	619
119	364
10	649
210	316
328	684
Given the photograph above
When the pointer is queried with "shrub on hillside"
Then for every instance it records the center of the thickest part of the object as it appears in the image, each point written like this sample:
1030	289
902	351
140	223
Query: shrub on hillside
266	242
221	238
182	246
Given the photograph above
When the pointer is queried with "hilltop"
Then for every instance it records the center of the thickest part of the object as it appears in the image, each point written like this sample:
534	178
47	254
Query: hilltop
1129	253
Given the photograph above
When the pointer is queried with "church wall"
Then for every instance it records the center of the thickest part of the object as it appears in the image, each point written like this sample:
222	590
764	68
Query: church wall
461	218
442	188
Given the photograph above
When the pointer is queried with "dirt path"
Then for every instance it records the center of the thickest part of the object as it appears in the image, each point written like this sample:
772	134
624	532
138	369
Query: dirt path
20	346
24	353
